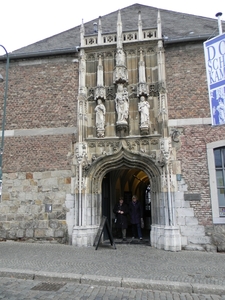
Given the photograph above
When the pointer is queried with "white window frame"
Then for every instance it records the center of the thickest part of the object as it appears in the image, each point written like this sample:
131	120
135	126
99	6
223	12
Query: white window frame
212	181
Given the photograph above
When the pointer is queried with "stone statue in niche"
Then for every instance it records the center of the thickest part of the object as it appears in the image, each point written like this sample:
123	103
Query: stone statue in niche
100	116
122	104
143	108
120	57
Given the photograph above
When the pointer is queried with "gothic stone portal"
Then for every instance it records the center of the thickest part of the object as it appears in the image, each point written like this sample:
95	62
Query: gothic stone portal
106	179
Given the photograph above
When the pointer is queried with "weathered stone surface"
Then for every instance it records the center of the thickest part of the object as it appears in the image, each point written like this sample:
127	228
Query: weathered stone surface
53	224
194	230
29	233
217	234
22	213
20	233
221	247
219	241
185	212
191	221
42	224
200	239
5	225
3	234
194	247
39	233
210	248
29	176
29	225
59	233
2	218
12	234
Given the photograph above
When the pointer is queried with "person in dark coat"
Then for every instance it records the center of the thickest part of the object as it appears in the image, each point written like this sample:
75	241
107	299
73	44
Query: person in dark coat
136	217
121	211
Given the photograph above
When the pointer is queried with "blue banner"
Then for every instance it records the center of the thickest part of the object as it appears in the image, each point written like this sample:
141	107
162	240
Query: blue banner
215	68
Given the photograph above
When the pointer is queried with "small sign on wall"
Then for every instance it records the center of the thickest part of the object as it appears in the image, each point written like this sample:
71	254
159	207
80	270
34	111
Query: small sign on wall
48	208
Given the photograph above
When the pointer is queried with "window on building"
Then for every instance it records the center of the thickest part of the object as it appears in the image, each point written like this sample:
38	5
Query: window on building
219	156
216	168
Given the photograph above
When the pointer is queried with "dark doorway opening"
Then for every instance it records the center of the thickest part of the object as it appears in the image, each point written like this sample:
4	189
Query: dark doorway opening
126	182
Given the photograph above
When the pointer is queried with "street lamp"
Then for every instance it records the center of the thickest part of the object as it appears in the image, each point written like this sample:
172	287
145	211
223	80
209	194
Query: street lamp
4	109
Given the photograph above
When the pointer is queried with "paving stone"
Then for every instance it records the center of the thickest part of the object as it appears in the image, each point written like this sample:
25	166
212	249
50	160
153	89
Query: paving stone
134	267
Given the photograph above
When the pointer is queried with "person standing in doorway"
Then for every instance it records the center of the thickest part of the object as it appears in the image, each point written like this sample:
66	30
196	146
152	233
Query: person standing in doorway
136	217
121	211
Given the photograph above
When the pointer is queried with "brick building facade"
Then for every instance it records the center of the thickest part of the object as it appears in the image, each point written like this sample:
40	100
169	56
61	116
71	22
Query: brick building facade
40	132
63	170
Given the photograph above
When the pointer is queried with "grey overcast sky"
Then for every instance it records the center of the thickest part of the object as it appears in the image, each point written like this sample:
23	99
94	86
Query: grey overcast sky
24	22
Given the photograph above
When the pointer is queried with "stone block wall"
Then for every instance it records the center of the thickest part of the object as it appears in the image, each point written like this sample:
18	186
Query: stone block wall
33	205
193	235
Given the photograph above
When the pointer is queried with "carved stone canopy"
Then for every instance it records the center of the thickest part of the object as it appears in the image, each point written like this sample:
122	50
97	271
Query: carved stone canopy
143	89
100	93
120	75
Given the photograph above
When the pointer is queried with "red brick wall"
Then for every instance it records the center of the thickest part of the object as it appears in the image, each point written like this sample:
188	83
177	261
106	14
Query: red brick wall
37	153
186	82
188	98
41	93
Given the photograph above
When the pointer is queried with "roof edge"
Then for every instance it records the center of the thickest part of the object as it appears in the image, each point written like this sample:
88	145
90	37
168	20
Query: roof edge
40	53
76	49
187	39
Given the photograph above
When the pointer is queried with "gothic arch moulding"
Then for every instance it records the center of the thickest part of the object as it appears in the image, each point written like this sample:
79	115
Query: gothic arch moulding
122	158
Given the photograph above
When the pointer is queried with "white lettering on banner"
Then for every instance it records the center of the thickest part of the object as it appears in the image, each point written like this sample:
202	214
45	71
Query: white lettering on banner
216	61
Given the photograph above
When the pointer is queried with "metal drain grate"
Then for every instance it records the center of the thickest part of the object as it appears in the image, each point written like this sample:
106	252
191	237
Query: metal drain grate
48	286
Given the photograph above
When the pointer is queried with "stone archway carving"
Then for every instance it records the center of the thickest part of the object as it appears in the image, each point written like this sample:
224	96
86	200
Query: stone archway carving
122	158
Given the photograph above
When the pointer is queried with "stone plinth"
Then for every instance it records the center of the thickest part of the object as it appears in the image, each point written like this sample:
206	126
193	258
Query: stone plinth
84	236
165	237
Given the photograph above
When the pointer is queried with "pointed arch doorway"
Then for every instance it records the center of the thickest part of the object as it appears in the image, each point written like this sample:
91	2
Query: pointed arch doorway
126	182
104	181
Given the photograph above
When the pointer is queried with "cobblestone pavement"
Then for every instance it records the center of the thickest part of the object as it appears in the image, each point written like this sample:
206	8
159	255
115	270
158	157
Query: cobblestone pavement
16	289
130	265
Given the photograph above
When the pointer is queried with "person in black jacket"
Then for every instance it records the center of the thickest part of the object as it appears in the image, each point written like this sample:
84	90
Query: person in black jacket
136	217
121	211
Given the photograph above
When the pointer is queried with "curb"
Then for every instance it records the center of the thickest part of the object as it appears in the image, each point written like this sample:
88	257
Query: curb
132	283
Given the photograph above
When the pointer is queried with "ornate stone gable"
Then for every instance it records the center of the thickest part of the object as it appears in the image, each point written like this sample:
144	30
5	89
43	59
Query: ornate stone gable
125	93
122	90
